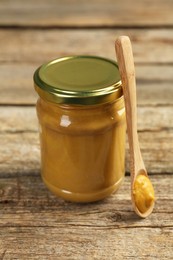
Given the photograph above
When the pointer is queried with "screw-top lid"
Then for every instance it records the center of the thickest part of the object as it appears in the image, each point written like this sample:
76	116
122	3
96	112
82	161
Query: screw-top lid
83	80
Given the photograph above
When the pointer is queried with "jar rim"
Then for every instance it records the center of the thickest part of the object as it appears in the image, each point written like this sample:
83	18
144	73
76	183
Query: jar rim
83	80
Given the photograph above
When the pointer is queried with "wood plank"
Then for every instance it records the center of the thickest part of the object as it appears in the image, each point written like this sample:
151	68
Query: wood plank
39	46
16	119
86	13
32	218
29	193
86	243
13	92
20	152
20	143
20	56
26	197
154	84
17	83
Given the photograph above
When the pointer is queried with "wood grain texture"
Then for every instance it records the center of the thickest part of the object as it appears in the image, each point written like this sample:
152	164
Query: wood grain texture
39	46
86	13
29	192
86	243
20	152
22	51
24	119
20	141
32	219
34	224
154	84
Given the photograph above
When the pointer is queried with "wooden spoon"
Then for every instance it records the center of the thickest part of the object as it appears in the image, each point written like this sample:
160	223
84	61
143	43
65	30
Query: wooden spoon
142	192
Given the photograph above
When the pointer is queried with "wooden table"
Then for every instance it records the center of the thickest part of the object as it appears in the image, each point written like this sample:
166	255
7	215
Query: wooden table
34	224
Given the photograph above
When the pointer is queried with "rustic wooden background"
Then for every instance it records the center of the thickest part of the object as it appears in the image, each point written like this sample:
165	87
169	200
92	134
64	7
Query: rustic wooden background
34	224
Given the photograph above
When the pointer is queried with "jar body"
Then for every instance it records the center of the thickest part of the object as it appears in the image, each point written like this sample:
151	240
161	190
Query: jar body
82	149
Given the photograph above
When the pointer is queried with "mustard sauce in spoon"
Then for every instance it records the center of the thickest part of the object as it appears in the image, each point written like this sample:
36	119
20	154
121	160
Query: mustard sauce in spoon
142	191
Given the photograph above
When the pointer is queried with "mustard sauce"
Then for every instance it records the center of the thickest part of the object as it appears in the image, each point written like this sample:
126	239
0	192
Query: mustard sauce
143	193
82	149
82	123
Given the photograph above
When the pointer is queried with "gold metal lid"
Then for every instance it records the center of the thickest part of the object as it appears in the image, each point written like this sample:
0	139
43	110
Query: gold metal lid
83	80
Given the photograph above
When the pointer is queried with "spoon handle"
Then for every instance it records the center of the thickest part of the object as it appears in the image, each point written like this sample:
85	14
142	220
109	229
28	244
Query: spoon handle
127	71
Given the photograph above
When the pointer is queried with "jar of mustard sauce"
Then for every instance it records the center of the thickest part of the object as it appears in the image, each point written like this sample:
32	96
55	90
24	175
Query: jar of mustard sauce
82	127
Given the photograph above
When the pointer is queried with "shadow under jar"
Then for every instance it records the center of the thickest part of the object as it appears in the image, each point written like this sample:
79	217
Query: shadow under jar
82	127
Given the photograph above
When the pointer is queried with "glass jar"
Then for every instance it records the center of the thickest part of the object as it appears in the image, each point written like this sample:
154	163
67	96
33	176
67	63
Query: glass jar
82	127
